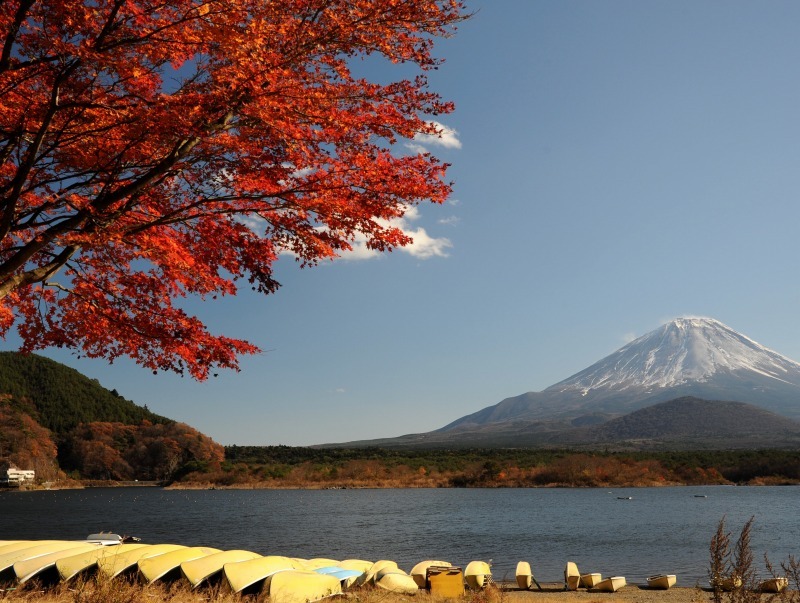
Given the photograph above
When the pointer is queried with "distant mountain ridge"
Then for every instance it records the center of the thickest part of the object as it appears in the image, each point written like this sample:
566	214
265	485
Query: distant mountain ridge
737	392
699	357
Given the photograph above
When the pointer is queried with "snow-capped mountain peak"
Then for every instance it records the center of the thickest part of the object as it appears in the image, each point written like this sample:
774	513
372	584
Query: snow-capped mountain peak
681	351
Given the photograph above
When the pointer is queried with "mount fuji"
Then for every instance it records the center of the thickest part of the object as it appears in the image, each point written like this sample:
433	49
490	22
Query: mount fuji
697	357
693	382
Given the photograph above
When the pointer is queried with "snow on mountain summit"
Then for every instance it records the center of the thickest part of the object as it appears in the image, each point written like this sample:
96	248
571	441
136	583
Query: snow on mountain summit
682	351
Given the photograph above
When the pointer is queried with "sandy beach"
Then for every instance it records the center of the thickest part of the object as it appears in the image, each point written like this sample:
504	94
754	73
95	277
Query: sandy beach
631	593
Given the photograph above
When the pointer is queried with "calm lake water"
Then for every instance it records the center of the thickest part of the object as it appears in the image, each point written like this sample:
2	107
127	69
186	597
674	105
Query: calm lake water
659	530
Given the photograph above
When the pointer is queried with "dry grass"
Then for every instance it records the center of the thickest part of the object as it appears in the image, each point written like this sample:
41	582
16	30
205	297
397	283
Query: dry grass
100	589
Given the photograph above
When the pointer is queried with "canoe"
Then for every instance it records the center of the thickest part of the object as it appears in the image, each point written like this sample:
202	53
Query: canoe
69	567
313	564
397	582
611	585
662	581
590	580
30	568
115	565
18	545
356	564
572	577
244	574
477	574
382	564
348	578
198	571
13	545
727	583
774	585
420	571
30	551
160	566
300	586
110	539
524	575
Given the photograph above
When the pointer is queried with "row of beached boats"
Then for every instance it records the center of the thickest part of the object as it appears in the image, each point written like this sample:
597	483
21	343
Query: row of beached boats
283	579
573	580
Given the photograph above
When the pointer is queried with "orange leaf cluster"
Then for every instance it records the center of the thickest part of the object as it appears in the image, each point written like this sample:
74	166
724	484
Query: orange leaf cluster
151	151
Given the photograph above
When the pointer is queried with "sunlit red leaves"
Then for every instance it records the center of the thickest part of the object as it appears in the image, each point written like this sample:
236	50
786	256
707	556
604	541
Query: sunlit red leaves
152	150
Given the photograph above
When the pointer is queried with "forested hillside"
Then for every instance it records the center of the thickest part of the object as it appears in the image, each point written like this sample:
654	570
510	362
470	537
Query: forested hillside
57	421
62	397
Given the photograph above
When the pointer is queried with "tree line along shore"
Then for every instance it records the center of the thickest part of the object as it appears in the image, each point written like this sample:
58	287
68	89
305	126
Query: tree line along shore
295	467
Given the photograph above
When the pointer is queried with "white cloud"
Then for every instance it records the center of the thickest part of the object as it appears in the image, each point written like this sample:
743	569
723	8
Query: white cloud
449	220
447	137
423	247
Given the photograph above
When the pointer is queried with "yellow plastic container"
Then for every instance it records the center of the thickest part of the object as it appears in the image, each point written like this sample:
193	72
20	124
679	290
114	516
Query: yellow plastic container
445	582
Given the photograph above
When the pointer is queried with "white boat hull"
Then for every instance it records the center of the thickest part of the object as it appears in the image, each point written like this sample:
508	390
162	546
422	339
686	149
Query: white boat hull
774	585
477	574
572	577
662	581
590	580
611	585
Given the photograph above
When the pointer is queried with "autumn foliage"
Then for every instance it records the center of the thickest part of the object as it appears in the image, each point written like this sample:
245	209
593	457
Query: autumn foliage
114	451
154	150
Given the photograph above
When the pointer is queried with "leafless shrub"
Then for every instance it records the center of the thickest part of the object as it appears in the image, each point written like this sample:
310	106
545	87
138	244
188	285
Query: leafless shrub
742	568
719	552
732	575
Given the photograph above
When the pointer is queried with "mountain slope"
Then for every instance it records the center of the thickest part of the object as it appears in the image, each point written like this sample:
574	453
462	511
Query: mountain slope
698	357
60	398
696	423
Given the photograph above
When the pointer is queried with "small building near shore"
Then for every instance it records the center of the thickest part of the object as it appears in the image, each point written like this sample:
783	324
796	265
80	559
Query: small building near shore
12	476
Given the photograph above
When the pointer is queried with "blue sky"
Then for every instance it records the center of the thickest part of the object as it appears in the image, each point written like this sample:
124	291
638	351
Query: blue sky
616	164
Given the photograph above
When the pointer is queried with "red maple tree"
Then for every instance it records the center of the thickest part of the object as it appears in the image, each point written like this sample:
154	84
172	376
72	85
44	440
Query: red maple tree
156	149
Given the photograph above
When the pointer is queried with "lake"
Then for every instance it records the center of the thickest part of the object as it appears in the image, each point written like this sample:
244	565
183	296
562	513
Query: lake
659	530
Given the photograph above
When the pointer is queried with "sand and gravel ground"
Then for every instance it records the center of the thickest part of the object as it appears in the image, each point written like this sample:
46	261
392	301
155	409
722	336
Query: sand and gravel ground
630	593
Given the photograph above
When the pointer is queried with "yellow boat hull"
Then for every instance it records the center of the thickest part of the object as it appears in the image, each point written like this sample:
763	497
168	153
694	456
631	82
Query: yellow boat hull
477	574
662	581
243	574
590	580
200	570
31	550
298	586
572	577
611	585
397	582
524	575
156	568
116	565
69	567
29	568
